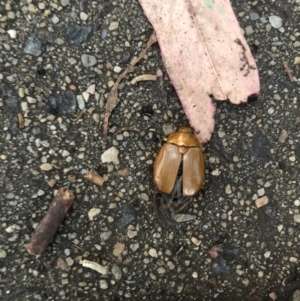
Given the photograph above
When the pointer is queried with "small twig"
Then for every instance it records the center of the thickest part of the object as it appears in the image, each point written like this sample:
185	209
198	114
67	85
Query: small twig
126	129
21	120
113	100
51	221
289	72
143	77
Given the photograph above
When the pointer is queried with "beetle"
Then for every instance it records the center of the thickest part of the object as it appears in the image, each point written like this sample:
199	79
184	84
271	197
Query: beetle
181	147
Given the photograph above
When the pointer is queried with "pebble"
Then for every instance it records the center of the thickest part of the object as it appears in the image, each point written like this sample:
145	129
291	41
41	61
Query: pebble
267	254
119	247
80	102
103	284
254	16
117	69
297	203
262	201
110	155
116	271
55	19
293	259
153	252
78	34
64	2
33	46
297	218
131	233
171	265
93	212
113	26
3	253
83	16
134	247
88	60
105	235
249	30
228	189
275	21
282	137
91	89
12	33
261	192
46	167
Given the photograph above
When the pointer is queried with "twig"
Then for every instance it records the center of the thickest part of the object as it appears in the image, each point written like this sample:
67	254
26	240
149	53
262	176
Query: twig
113	100
51	221
289	72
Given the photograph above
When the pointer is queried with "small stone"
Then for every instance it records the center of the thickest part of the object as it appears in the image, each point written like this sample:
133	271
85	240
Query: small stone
119	247
131	233
55	19
153	252
110	155
195	275
117	69
196	241
293	259
261	192
228	189
12	33
33	46
283	136
93	212
260	274
275	21
88	60
91	89
116	271
103	284
171	265
279	228
78	34
86	96
267	254
113	26
83	16
297	218
3	253
134	247
297	203
64	2
254	16
297	60
262	201
61	264
296	44
80	102
31	8
249	30
105	235
46	167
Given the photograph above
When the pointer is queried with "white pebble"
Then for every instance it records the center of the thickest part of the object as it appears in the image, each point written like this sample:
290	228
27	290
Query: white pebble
267	254
103	284
93	212
12	33
110	155
297	203
83	16
117	69
275	21
153	252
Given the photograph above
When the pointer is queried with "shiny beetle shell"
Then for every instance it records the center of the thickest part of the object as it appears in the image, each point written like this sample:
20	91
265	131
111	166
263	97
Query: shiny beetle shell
181	146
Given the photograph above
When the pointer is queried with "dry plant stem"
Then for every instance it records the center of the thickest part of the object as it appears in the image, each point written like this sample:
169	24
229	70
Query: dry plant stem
21	120
51	222
126	129
113	100
289	72
143	77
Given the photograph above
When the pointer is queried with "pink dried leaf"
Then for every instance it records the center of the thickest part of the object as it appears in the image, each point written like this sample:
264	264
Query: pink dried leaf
205	53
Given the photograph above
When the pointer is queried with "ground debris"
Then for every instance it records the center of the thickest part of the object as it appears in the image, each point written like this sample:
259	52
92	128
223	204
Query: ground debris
113	100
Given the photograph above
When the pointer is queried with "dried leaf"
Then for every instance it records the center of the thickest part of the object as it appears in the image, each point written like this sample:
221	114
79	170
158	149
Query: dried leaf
205	54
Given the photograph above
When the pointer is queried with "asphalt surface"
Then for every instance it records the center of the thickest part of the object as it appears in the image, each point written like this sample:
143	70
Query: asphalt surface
228	249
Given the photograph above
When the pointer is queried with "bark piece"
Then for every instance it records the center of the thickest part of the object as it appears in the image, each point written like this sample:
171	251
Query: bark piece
51	222
205	53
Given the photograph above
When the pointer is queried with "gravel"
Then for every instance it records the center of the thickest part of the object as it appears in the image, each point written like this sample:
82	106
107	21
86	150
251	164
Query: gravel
58	61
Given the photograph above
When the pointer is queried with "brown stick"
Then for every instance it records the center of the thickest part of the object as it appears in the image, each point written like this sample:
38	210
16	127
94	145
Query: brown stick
51	222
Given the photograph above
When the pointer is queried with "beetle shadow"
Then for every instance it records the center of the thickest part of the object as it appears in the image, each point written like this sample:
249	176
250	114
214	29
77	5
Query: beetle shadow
167	205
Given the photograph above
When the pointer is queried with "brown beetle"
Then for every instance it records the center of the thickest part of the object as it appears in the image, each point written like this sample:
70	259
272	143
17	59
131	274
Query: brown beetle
181	148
